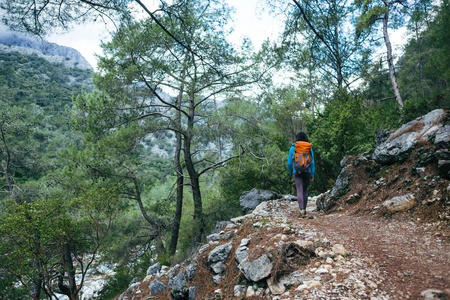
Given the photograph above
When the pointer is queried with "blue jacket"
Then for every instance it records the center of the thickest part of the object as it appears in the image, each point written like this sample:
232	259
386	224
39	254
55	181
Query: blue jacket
290	163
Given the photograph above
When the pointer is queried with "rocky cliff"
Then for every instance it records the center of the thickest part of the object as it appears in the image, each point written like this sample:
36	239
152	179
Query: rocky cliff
382	233
16	42
408	171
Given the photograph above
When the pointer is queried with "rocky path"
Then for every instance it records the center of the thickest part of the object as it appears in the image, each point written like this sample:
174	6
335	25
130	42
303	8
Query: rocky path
408	258
271	253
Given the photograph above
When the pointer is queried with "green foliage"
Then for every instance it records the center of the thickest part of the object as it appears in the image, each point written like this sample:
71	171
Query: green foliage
321	41
34	234
33	121
268	172
424	67
341	130
369	16
7	288
29	79
266	137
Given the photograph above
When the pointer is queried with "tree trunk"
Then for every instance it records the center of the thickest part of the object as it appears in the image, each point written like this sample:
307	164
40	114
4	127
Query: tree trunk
179	205
36	284
155	234
340	77
199	224
67	266
180	181
219	142
391	64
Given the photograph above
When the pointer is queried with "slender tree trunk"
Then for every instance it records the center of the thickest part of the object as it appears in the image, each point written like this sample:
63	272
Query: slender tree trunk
199	226
155	235
180	180
340	77
311	82
391	63
219	142
179	204
67	267
36	285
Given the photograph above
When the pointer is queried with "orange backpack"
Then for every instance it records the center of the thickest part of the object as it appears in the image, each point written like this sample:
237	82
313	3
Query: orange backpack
302	156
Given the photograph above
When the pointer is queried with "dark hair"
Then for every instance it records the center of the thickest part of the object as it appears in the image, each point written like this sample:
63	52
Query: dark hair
301	136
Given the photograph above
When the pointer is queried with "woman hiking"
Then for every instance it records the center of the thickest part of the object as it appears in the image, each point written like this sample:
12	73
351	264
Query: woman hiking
301	167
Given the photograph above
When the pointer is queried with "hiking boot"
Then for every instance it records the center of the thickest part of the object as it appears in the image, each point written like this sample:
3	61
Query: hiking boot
302	214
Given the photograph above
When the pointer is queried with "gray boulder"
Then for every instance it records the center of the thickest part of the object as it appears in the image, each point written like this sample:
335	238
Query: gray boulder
220	253
249	200
343	180
218	279
401	141
179	286
257	269
222	225
218	267
242	251
290	197
218	256
442	140
154	269
381	137
442	144
217	236
400	203
135	280
174	271
190	271
443	154
192	291
157	287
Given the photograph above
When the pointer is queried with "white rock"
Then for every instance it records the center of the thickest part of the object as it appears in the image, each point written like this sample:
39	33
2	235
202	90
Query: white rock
309	284
250	292
303	243
327	267
339	259
277	288
339	249
432	294
321	270
321	254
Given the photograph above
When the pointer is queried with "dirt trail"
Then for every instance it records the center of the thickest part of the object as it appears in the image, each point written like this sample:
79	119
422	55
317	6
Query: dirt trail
413	256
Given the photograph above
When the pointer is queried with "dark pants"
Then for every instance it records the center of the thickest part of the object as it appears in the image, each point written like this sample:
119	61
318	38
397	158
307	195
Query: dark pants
302	181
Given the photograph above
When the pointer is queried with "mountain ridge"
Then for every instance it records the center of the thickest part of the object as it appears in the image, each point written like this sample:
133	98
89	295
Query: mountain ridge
16	42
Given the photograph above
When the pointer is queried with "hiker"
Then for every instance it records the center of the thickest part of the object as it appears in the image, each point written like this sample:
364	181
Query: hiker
301	168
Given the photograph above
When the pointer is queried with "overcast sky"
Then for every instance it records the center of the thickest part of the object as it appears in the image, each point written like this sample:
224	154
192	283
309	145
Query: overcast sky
250	20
